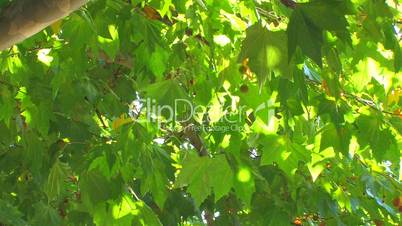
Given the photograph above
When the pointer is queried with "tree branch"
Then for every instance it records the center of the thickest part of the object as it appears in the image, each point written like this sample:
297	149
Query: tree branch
25	18
353	97
190	132
289	3
370	104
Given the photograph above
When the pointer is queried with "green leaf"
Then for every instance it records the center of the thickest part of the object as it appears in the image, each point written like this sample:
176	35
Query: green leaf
170	95
328	15
302	33
96	188
147	216
338	138
281	151
244	184
56	180
154	175
125	212
10	215
7	105
363	76
46	215
110	45
156	184
289	94
203	175
381	140
266	51
221	179
397	123
158	62
35	151
333	59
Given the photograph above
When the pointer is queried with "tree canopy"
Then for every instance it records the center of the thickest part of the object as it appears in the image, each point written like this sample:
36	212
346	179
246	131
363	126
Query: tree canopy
200	112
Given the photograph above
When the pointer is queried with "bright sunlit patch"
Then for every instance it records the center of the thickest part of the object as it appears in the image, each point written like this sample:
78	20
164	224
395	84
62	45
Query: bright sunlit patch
27	116
366	69
235	102
327	186
355	39
384	52
315	171
226	141
244	175
273	56
43	56
285	155
260	126
113	31
236	23
159	140
126	207
221	40
226	85
353	146
266	121
215	112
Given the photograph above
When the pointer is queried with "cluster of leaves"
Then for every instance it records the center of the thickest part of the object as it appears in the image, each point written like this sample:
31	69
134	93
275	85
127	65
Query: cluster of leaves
76	148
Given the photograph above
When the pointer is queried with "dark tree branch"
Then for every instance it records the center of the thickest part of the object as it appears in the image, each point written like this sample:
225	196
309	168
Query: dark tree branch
289	3
24	18
190	132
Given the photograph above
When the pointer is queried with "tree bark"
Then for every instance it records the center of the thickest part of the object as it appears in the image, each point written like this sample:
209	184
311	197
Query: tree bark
24	18
289	3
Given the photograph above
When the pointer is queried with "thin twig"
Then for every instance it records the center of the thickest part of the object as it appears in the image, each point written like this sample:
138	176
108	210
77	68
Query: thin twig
133	193
369	103
358	99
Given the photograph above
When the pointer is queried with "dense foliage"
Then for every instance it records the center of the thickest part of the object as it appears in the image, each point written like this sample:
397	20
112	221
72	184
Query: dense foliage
289	114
